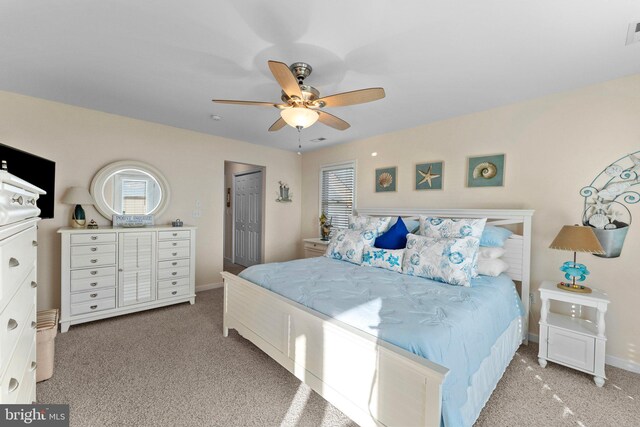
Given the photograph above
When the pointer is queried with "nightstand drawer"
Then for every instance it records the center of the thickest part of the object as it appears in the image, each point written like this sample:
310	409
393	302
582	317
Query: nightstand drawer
571	349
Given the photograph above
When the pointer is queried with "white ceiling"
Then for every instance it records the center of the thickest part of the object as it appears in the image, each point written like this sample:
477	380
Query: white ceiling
163	61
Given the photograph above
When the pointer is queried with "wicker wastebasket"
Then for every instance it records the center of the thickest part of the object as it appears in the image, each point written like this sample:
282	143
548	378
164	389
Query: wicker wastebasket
45	342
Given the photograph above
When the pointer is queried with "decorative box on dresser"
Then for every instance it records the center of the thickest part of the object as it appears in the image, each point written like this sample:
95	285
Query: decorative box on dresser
573	341
315	247
112	271
18	261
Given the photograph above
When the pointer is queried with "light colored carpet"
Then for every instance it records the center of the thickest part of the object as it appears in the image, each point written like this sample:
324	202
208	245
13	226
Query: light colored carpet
172	367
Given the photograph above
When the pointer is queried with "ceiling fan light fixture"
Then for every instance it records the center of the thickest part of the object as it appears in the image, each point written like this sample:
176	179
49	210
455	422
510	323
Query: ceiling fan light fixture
299	117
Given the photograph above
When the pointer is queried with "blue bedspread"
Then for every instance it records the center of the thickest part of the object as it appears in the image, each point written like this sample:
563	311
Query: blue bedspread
450	325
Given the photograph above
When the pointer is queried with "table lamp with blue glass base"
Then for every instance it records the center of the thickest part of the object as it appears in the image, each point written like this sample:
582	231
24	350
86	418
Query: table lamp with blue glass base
576	238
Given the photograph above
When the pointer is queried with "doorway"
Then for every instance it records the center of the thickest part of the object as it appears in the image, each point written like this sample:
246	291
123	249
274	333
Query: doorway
244	216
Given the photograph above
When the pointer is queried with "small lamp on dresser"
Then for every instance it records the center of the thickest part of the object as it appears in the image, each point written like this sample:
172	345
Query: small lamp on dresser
78	196
576	238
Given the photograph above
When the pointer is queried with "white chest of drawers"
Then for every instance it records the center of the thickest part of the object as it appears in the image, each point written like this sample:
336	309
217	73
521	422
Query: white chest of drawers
109	271
18	247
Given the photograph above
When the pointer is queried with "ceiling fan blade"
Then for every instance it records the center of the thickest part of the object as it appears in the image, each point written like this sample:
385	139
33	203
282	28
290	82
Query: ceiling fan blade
285	78
354	97
279	124
256	103
332	121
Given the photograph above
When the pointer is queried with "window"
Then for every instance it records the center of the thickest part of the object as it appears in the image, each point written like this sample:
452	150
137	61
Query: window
337	193
134	197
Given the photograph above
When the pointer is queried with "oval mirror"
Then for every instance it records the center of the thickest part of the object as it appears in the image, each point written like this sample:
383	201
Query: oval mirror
130	188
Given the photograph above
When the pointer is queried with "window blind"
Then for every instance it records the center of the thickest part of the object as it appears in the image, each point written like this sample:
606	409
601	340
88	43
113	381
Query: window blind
134	197
338	194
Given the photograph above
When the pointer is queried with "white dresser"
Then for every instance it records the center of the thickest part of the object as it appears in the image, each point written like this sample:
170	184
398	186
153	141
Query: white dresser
18	259
110	271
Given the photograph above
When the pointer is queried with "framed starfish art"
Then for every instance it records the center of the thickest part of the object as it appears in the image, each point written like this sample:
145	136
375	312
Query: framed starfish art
429	176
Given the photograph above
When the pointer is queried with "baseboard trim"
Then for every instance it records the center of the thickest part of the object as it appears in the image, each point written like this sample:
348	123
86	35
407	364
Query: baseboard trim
617	362
209	286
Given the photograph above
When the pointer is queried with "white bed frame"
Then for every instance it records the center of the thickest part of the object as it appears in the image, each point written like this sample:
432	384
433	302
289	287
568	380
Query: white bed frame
374	383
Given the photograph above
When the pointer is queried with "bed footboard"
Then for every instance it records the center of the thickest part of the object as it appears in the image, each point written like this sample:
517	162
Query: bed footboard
371	381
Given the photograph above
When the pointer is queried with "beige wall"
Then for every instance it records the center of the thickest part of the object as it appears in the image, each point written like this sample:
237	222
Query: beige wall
82	141
554	146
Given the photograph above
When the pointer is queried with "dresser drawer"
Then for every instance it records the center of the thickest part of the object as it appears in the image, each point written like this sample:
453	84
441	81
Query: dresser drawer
93	260
164	284
170	235
84	280
571	349
83	239
164	254
98	294
93	249
94	272
16	317
93	306
17	258
174	244
173	264
169	273
176	292
14	376
28	383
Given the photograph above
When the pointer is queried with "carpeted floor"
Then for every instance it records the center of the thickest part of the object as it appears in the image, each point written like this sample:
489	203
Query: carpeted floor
172	367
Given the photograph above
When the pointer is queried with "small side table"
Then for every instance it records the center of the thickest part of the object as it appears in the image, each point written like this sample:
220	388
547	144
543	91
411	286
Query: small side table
572	341
315	247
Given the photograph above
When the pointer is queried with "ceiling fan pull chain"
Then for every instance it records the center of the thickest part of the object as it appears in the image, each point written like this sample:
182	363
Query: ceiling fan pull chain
299	144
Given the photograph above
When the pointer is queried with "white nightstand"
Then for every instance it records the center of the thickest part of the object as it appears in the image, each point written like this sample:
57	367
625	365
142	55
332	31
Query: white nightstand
315	247
572	341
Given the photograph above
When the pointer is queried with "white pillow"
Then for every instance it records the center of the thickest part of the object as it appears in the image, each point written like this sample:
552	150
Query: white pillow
363	222
451	227
490	253
347	245
491	267
389	259
447	260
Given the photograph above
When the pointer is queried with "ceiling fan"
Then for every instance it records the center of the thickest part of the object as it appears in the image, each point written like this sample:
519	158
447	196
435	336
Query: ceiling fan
302	103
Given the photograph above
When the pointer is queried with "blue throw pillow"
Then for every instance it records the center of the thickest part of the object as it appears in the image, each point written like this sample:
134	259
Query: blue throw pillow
493	236
394	238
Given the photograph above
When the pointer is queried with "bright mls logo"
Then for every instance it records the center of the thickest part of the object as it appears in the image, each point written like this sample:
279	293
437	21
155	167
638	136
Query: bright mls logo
34	415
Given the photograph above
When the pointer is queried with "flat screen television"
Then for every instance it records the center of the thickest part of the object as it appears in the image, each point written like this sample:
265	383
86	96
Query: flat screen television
35	170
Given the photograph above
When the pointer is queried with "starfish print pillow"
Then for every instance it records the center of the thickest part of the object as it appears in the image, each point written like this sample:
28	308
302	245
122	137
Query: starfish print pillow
389	259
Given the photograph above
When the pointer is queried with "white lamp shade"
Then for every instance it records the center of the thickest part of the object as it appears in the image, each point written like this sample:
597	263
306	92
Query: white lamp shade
299	116
77	196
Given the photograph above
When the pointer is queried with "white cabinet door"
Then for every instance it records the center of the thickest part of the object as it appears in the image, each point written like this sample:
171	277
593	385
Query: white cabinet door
136	258
571	349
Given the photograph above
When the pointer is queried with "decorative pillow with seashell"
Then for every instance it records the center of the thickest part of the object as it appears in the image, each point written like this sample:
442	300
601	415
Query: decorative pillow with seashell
347	245
451	227
389	259
446	260
363	222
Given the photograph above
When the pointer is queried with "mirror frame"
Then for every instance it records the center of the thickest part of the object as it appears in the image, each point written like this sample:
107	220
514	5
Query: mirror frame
103	174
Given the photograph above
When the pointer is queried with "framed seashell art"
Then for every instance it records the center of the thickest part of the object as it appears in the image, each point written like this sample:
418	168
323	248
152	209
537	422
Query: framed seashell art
386	179
485	171
429	176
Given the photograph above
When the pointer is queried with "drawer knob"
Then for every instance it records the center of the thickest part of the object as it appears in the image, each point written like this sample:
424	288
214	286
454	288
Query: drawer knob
175	243
33	366
94	237
31	202
93	273
93	284
174	273
13	385
93	307
34	325
34	284
174	263
94	249
175	234
93	261
174	253
174	292
19	200
93	295
13	262
174	283
12	324
34	243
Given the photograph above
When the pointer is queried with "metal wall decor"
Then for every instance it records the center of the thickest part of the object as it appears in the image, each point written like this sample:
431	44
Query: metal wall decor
605	202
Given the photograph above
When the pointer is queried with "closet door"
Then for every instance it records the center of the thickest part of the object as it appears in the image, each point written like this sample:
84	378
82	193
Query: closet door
136	260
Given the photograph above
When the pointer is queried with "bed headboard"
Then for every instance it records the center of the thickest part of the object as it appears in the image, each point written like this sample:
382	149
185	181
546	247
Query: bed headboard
517	248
